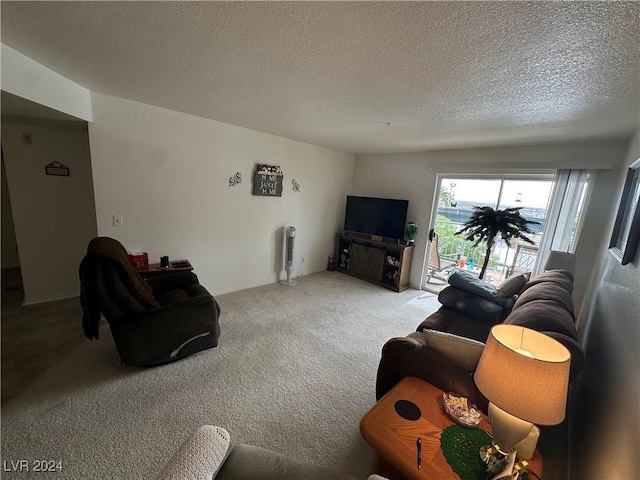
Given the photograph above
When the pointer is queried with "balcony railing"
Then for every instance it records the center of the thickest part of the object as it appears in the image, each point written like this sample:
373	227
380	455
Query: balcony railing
504	260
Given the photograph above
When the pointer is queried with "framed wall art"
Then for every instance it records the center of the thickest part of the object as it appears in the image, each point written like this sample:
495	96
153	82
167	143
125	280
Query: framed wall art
267	181
57	169
626	230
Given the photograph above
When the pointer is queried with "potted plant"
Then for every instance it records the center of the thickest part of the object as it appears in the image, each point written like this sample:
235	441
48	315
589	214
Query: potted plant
412	231
486	224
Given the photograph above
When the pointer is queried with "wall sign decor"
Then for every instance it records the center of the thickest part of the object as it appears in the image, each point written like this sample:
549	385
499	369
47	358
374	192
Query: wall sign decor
57	169
296	186
268	180
626	231
235	180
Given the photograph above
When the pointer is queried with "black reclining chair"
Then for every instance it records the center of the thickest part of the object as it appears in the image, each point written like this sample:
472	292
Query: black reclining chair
153	321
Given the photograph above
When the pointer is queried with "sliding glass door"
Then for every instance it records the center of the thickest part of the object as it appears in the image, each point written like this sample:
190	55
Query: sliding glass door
457	197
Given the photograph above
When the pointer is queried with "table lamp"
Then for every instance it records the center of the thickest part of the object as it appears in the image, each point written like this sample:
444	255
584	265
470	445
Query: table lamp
525	376
560	261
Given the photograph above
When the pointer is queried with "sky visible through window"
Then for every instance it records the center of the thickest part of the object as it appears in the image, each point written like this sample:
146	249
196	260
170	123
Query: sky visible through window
515	193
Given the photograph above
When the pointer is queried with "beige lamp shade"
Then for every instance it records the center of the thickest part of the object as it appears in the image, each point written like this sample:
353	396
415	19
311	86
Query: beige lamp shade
525	373
560	261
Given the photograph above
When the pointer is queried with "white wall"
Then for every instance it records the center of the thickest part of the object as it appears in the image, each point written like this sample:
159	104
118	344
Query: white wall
167	173
595	235
402	176
54	217
28	79
607	394
413	176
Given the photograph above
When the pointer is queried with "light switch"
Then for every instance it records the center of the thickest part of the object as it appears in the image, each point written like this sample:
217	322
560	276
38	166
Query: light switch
117	220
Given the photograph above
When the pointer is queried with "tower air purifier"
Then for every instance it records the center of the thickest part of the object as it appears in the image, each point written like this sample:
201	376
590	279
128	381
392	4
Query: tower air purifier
289	239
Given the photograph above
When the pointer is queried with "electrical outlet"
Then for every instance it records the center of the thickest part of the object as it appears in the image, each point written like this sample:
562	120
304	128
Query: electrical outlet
26	138
302	259
117	220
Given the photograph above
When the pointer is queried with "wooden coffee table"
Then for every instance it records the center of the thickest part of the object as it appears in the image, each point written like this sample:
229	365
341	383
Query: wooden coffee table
394	438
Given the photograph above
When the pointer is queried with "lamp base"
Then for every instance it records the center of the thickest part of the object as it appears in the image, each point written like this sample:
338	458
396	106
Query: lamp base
527	446
508	430
509	434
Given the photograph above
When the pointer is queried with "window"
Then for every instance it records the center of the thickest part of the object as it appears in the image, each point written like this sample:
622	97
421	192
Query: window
566	211
457	197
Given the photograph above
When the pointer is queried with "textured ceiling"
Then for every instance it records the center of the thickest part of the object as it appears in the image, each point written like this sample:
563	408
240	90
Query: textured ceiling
444	74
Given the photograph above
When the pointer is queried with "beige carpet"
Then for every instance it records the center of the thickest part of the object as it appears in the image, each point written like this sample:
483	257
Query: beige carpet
34	337
435	285
294	372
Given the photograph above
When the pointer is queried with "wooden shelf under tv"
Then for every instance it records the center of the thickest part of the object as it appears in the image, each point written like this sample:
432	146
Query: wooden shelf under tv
366	259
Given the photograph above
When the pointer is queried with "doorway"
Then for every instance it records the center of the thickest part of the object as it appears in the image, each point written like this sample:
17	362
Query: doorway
457	195
52	220
11	276
54	215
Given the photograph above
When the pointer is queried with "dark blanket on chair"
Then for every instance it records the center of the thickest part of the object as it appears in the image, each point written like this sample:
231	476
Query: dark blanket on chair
113	250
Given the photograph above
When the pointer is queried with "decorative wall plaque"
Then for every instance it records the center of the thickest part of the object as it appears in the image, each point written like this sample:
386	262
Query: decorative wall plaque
57	169
268	180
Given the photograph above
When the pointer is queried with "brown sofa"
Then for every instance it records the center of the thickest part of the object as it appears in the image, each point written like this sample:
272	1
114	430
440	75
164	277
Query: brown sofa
544	304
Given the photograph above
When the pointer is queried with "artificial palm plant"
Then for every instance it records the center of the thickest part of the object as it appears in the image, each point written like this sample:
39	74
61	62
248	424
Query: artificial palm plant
412	231
487	223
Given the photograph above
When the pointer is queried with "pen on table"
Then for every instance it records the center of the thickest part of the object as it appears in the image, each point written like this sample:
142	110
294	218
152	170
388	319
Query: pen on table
419	444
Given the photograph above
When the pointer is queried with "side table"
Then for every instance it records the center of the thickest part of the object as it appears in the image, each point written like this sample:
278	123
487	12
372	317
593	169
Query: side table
155	270
394	438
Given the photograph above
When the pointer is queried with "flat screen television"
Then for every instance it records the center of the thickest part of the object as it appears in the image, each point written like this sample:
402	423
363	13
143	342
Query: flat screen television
383	217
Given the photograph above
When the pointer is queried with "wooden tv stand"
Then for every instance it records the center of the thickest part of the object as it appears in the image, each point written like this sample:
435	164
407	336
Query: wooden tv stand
368	260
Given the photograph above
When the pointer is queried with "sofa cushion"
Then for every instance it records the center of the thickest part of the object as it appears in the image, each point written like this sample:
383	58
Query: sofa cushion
448	320
513	285
181	294
409	356
460	350
473	305
468	282
543	315
562	278
247	462
550	291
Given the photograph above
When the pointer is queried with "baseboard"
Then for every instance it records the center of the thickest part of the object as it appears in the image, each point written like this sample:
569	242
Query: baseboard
46	300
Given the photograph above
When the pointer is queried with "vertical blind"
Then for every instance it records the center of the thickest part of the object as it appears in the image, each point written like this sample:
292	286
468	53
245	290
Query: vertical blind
566	211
